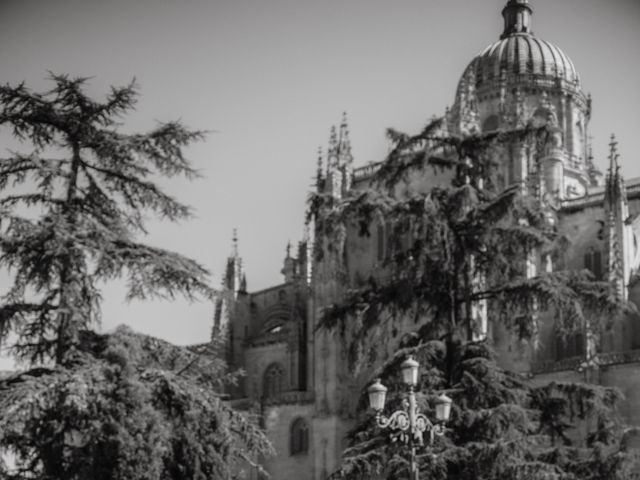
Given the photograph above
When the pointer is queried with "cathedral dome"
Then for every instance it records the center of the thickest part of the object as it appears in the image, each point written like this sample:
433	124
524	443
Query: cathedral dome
520	54
520	58
523	80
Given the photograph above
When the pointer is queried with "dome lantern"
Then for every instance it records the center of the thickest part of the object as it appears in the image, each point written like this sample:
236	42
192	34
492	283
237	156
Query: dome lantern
517	17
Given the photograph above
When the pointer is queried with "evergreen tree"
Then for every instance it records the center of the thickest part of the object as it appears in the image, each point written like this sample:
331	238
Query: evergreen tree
88	207
129	407
73	208
455	247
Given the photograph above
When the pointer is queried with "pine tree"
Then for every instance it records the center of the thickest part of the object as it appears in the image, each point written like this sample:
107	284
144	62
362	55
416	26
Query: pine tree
454	247
100	406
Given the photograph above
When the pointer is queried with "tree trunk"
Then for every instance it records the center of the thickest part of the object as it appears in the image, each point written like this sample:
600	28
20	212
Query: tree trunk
67	332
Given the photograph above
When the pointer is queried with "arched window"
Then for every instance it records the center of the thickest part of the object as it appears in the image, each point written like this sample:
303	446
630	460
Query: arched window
299	437
273	380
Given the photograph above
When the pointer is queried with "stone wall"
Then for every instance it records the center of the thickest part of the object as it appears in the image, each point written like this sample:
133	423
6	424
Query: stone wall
285	466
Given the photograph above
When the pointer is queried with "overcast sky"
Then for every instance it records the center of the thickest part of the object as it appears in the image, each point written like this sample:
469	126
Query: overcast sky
269	78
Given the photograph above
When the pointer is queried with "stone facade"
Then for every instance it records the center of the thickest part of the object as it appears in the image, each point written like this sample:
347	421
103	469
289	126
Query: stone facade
297	377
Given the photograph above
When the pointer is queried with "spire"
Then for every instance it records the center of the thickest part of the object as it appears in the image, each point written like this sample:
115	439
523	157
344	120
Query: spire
233	283
332	152
517	17
344	144
339	161
615	190
613	154
234	244
233	273
319	171
620	235
290	267
595	175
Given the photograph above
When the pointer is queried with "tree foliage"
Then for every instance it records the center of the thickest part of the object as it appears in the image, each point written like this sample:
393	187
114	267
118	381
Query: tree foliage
72	208
118	406
129	407
467	240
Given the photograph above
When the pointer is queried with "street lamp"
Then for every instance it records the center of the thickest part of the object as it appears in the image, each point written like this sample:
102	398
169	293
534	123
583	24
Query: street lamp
409	418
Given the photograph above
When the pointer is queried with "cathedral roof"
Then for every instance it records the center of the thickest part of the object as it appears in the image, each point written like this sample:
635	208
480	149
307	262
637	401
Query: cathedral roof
519	57
522	54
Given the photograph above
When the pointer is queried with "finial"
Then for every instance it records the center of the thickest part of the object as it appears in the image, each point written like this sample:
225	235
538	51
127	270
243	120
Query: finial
613	146
613	155
289	249
332	151
319	172
517	17
344	119
333	136
235	242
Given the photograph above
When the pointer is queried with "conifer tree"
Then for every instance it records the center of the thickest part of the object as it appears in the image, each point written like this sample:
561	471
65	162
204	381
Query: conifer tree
130	406
88	186
71	214
454	247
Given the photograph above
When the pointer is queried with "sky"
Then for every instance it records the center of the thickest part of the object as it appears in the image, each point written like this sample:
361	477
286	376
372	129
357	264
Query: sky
268	78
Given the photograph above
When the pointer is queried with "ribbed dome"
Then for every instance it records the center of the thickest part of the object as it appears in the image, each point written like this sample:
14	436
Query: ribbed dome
523	54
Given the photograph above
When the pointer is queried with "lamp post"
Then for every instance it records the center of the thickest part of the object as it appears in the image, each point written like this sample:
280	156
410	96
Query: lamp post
409	419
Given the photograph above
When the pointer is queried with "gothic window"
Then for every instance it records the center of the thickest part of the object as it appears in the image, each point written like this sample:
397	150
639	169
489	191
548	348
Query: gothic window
593	263
274	381
299	437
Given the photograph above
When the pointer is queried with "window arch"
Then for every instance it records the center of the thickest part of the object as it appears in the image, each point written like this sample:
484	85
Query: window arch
273	380
299	437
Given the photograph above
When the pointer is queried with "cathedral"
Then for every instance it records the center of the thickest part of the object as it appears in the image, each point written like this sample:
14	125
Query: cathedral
295	373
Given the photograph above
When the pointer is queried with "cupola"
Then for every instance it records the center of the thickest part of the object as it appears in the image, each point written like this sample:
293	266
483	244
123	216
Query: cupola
522	80
517	17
